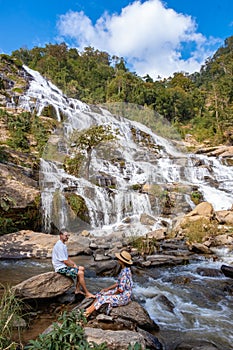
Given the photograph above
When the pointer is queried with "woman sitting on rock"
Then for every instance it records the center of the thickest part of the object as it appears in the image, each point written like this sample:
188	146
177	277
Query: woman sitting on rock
120	292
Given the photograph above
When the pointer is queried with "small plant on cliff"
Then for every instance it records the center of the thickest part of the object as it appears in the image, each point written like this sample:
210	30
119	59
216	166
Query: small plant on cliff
73	165
66	334
196	197
6	202
10	315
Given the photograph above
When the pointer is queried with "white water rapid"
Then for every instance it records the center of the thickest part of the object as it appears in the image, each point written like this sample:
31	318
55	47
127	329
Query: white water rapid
138	157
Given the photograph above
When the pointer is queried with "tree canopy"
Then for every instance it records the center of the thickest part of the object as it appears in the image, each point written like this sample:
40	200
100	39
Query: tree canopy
191	102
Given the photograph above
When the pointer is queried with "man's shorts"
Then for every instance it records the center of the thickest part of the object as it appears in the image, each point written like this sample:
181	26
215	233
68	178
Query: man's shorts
69	272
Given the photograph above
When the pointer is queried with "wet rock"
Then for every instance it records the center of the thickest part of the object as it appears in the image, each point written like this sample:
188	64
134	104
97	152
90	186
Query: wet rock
109	268
208	272
146	219
200	248
164	259
197	345
165	302
136	314
227	270
152	342
101	257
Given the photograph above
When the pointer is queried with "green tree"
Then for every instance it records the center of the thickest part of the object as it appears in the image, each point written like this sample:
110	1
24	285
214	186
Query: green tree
86	140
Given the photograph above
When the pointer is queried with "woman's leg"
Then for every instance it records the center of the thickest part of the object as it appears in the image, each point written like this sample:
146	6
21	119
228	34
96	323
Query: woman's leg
90	309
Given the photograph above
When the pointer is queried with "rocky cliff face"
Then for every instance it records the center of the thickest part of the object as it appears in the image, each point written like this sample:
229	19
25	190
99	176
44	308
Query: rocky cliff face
19	153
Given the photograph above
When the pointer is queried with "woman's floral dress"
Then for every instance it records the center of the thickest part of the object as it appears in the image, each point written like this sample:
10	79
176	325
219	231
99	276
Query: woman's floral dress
124	284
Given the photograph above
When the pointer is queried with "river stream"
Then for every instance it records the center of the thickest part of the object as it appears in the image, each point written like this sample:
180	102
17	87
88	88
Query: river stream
184	301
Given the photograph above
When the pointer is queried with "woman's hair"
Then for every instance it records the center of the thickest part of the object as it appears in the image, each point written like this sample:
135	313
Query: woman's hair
127	265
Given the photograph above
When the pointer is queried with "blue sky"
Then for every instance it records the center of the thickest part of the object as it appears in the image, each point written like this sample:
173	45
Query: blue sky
155	37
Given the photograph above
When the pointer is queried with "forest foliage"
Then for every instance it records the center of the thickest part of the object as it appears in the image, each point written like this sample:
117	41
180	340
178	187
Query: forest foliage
200	104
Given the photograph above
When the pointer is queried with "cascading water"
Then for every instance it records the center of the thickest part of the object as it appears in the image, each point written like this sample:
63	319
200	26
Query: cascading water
213	179
189	305
140	157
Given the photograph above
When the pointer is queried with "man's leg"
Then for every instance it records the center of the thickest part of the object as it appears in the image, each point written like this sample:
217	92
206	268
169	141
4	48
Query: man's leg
81	282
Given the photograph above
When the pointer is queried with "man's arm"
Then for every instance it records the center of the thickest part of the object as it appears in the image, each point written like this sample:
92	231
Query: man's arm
70	263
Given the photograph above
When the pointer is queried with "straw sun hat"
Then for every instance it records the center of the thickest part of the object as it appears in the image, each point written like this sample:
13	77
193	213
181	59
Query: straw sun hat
125	257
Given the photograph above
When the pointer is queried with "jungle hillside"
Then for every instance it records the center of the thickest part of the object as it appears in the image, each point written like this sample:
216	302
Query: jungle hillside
200	104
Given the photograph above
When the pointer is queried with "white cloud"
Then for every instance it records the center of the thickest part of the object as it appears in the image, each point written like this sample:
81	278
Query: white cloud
148	35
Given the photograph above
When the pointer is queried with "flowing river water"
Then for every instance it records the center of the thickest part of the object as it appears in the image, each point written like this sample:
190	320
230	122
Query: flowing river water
184	301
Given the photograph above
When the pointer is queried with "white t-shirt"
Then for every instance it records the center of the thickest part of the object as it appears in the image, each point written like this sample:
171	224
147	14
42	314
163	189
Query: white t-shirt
59	254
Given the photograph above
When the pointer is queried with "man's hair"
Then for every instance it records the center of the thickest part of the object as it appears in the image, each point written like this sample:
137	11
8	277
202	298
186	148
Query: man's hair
62	231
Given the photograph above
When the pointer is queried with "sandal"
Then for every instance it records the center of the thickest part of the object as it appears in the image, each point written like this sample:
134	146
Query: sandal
86	314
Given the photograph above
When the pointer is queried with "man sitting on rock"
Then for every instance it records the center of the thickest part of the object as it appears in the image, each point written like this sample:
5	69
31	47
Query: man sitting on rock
64	265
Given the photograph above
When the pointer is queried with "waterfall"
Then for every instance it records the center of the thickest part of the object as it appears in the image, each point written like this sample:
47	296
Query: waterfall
119	170
213	178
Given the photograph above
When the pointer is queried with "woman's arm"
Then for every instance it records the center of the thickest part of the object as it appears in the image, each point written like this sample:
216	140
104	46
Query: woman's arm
110	287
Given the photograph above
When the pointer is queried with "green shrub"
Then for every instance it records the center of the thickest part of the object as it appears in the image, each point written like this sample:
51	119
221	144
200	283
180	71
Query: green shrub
6	202
66	334
144	244
197	231
136	187
3	154
19	127
196	197
41	133
7	225
73	165
10	315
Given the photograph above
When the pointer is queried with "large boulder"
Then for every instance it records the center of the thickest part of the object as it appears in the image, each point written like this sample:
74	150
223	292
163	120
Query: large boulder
203	209
125	325
30	244
115	339
225	217
45	285
136	314
122	339
130	316
27	244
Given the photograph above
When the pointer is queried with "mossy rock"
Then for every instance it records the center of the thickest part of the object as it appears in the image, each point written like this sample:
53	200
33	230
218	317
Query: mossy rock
78	206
